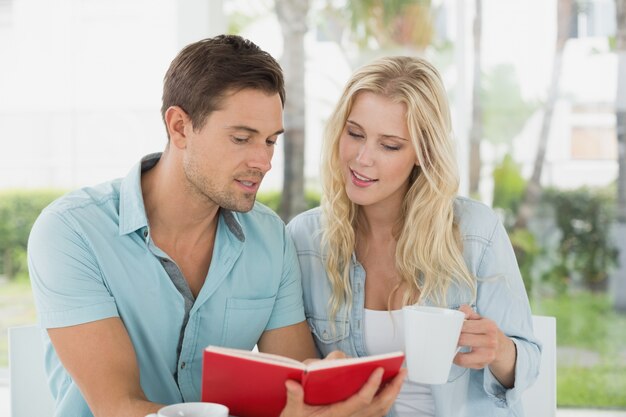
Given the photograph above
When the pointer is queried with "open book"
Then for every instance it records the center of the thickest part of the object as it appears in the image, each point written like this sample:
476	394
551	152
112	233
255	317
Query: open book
252	384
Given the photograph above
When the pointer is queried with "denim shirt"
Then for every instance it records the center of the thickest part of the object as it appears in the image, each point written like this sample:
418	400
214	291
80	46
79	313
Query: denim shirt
501	297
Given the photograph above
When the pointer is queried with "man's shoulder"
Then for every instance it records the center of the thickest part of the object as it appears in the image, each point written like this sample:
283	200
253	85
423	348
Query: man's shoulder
260	209
86	199
75	213
261	221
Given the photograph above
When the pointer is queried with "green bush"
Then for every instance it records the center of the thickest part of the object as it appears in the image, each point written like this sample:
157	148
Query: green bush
272	199
591	337
508	191
508	188
584	218
18	211
526	252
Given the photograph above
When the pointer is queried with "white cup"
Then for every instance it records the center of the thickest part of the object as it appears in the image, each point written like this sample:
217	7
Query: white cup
192	410
431	335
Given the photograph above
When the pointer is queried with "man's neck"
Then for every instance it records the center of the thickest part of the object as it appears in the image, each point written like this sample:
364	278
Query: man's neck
174	214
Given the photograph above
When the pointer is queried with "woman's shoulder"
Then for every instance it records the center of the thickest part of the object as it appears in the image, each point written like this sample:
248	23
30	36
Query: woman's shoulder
475	219
305	226
306	219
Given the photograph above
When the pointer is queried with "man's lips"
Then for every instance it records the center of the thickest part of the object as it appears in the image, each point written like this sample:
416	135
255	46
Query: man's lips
249	184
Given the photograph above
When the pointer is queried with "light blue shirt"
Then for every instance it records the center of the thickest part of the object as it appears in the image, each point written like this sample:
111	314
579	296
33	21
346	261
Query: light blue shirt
91	257
501	297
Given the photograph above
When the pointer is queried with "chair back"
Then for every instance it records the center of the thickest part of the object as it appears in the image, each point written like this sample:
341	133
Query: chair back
540	399
30	394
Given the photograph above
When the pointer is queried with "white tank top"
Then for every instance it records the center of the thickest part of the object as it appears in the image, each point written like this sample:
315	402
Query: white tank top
383	333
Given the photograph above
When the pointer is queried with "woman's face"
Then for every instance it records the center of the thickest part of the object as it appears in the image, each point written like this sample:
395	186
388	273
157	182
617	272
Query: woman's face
376	152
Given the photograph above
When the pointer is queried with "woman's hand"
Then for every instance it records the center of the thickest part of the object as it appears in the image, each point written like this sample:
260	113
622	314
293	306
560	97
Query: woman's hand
365	403
488	347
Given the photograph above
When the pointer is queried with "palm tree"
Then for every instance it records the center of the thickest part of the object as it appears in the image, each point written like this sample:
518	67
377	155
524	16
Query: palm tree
401	22
292	15
533	189
476	132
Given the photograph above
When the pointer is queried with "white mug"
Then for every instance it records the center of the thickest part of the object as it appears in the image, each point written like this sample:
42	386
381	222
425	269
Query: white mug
192	410
431	336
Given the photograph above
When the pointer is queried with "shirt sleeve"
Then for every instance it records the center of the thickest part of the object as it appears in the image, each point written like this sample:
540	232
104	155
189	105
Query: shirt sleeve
289	307
67	284
502	298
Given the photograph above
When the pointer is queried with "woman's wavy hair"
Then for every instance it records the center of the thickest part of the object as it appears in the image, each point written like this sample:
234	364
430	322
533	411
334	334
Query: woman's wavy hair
429	253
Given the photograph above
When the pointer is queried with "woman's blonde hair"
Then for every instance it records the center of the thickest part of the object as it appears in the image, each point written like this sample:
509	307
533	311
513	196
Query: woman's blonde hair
429	253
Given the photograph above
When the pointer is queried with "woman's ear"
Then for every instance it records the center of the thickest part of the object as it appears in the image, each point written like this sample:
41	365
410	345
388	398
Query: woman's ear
175	120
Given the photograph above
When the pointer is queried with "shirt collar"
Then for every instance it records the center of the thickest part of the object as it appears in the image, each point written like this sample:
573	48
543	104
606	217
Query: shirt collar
133	211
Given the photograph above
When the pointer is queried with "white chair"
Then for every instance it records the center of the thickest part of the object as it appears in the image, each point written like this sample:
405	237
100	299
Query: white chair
30	394
540	399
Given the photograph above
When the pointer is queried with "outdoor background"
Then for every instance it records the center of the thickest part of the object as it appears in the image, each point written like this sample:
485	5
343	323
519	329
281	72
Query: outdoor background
536	88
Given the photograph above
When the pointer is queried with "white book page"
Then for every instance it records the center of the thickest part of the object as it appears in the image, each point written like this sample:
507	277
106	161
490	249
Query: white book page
332	363
258	356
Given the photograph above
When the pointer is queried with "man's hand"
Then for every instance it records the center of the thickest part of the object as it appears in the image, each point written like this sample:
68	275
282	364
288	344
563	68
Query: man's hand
488	347
365	403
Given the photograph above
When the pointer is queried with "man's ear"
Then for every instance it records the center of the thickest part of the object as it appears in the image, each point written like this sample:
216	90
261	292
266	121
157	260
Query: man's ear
176	120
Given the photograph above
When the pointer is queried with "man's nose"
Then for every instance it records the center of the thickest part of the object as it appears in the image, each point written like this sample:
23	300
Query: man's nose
261	158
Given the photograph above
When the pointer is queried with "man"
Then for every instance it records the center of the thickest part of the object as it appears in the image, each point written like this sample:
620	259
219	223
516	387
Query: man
134	277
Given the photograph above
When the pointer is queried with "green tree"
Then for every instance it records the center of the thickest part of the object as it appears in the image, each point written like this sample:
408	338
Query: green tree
508	187
505	110
533	190
620	117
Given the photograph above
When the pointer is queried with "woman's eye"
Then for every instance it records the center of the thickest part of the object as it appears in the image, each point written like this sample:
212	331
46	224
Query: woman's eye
390	147
355	135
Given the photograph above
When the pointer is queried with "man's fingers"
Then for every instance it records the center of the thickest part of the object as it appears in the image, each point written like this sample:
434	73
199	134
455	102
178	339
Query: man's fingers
369	390
295	399
392	389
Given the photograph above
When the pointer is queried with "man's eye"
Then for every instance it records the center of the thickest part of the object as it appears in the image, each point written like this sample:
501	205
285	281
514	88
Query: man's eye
270	142
239	140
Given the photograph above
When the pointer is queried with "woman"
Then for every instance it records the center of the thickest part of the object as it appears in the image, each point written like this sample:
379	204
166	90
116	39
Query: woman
391	231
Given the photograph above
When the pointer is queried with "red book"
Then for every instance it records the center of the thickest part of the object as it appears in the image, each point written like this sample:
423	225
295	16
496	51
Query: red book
252	384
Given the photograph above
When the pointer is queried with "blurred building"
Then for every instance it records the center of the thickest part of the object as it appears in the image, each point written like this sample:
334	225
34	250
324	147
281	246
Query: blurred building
80	84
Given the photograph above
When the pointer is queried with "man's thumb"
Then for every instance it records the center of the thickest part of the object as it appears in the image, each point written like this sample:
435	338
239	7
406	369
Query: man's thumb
295	399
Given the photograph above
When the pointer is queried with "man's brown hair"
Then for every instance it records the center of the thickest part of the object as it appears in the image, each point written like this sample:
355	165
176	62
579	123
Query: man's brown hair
205	71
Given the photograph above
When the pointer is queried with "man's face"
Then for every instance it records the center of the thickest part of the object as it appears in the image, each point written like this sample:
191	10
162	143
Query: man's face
226	160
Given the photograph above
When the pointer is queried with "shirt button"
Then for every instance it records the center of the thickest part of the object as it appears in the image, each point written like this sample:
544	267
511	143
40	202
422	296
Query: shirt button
182	365
325	335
